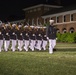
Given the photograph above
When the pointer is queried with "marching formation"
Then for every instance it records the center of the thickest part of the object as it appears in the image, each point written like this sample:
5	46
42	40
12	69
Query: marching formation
20	37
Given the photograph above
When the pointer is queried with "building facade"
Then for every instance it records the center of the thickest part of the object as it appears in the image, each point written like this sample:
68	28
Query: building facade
33	15
64	17
65	21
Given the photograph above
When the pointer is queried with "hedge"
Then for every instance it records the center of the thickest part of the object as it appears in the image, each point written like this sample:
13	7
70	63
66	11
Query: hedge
66	37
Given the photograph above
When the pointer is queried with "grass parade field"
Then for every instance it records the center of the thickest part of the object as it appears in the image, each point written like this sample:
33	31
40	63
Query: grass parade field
61	62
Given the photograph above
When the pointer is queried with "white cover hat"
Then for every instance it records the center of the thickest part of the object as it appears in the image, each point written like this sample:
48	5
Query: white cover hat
25	26
13	25
51	21
6	24
32	26
19	26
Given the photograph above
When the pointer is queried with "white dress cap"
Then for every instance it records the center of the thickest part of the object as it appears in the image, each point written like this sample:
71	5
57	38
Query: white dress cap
51	21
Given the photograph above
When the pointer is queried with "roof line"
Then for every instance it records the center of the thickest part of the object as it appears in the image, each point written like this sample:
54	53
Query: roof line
46	5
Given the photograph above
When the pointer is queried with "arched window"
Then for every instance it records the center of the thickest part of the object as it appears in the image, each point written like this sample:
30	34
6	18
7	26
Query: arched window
58	31
64	30
71	30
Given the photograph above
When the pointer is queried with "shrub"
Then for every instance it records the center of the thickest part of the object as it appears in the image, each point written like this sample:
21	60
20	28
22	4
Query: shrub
70	38
66	37
58	37
75	37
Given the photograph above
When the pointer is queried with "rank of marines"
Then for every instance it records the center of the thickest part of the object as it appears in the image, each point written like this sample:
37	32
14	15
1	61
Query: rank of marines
20	37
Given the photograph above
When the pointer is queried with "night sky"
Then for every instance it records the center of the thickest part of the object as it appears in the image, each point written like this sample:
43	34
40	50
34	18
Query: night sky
9	8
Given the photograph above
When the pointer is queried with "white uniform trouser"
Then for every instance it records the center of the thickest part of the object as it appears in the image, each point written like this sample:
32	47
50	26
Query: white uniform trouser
32	45
1	44
52	43
13	47
38	46
6	44
20	44
44	44
26	44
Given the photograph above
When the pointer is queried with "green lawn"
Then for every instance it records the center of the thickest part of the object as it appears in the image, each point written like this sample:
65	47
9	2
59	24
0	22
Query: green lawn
38	63
65	46
61	62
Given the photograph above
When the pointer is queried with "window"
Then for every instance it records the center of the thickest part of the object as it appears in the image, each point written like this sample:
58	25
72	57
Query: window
45	20
64	30
30	10
71	17
39	9
64	18
34	10
71	30
58	31
57	19
38	22
46	9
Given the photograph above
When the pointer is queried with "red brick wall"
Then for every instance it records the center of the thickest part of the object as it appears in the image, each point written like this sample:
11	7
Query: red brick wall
67	26
37	14
60	19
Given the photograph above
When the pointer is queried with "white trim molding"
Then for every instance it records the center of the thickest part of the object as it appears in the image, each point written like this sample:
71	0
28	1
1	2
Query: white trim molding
64	23
58	14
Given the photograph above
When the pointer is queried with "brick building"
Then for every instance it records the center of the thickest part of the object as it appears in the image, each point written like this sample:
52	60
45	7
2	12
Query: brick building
33	15
64	17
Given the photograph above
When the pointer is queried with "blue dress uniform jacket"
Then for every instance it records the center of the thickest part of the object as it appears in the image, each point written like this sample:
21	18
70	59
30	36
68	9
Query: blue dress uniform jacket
32	35
19	35
25	35
6	34
44	37
13	34
51	32
38	34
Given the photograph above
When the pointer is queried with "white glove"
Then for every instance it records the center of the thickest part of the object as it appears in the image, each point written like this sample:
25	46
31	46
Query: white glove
13	33
56	38
47	38
0	32
21	34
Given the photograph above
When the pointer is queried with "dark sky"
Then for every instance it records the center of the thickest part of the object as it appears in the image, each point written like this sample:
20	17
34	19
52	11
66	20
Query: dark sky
9	8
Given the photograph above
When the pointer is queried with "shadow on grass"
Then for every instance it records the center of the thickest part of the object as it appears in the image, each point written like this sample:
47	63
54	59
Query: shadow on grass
55	50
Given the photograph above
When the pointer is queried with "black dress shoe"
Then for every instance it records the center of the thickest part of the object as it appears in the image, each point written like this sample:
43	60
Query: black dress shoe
54	49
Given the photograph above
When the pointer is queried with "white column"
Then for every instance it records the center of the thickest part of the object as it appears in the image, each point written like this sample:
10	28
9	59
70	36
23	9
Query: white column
63	19
44	20
70	17
56	19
